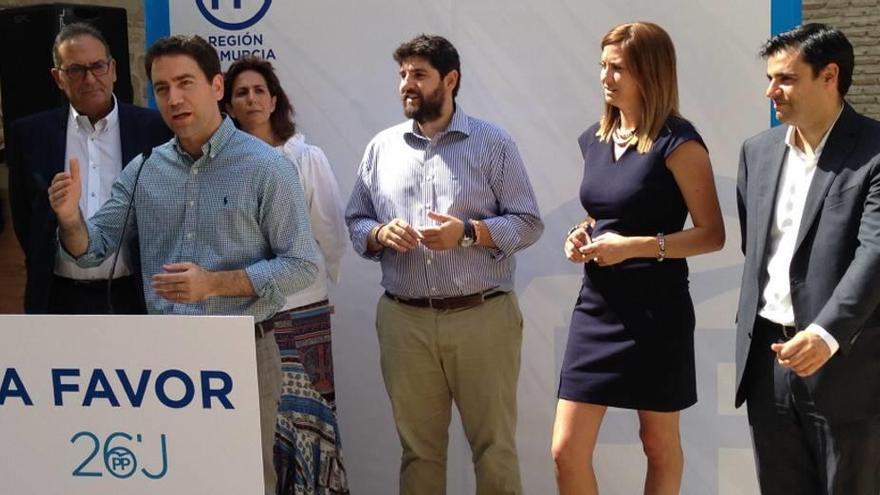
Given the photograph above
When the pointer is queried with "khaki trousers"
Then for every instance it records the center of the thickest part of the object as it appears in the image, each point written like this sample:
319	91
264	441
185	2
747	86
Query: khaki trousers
432	357
269	387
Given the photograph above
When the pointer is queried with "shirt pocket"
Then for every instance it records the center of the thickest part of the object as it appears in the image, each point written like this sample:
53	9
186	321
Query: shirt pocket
239	214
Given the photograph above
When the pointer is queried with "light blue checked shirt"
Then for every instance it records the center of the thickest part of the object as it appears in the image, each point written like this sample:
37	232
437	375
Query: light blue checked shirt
239	206
472	170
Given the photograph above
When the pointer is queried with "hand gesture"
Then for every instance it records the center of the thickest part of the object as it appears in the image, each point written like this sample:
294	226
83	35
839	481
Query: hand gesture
398	235
183	283
444	236
64	194
577	239
607	249
804	354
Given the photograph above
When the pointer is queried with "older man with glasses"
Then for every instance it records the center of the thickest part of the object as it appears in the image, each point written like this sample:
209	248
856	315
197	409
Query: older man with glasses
103	135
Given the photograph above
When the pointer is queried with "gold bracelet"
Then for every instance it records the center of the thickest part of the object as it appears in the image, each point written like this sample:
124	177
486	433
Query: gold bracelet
661	245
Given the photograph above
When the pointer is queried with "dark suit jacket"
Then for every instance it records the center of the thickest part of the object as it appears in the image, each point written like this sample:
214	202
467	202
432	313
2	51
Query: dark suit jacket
835	269
35	153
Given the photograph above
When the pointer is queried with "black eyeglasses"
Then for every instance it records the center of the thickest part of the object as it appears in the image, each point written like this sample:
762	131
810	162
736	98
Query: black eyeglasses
77	71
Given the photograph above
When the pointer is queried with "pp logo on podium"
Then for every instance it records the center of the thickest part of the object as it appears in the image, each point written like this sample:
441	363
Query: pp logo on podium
120	460
242	14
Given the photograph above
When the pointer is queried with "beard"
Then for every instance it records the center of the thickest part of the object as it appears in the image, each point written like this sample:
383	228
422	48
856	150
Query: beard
428	108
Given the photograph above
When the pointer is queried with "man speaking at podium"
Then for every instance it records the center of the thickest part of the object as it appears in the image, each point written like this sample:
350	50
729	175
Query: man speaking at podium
221	217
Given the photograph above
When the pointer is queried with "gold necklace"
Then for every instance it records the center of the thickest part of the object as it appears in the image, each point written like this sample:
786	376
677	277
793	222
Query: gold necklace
623	136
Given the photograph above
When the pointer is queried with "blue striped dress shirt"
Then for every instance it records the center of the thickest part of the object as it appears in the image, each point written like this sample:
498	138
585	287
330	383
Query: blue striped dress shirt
472	170
239	206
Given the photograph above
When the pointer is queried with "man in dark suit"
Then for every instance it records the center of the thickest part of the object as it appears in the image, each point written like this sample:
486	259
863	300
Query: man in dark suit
103	134
808	329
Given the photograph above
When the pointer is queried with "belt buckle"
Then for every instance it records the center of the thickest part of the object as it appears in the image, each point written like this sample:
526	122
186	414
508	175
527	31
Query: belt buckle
788	332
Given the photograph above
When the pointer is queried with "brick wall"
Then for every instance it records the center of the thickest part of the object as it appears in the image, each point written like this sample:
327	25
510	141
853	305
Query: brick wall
860	21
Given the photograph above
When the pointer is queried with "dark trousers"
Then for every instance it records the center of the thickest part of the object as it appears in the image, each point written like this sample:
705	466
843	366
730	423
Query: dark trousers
797	450
75	297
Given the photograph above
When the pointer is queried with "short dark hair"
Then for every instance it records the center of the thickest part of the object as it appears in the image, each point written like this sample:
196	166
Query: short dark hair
437	50
819	45
74	30
281	119
193	46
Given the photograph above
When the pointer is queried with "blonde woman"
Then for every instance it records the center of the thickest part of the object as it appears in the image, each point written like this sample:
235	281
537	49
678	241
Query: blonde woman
631	340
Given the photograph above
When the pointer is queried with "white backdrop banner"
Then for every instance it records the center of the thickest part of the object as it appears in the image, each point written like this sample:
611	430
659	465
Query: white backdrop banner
103	405
532	67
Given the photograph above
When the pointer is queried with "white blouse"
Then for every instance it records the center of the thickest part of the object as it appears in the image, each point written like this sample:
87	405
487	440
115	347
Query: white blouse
326	214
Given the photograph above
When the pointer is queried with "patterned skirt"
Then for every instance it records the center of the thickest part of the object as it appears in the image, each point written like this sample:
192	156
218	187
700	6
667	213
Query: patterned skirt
308	451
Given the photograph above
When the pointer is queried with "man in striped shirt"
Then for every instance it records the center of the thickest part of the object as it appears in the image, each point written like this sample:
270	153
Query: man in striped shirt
443	202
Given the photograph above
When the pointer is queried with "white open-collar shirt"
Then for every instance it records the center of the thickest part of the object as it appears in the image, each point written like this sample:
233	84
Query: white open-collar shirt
791	196
98	148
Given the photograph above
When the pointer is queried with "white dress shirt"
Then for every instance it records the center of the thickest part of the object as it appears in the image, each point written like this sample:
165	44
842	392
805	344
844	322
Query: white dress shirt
99	151
794	183
325	213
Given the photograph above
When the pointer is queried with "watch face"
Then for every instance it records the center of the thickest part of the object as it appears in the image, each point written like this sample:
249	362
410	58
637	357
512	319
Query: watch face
468	236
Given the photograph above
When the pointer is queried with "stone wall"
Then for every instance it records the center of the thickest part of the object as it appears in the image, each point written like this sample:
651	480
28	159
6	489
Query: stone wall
860	21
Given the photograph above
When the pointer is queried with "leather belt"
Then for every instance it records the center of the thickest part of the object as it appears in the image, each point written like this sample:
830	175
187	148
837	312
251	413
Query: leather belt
787	331
263	327
446	303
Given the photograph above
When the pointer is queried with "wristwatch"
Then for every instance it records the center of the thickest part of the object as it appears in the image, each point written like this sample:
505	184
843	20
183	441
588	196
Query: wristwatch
469	236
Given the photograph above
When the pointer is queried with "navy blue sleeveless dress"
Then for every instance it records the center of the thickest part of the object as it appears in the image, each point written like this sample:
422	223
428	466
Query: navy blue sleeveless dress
631	340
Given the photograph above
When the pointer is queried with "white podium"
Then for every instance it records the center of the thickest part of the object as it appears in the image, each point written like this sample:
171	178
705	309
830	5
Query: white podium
128	404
